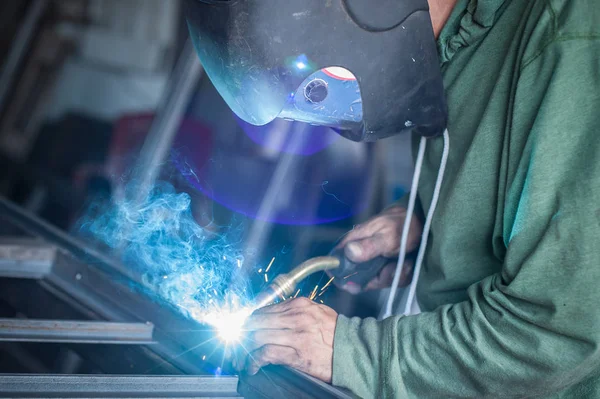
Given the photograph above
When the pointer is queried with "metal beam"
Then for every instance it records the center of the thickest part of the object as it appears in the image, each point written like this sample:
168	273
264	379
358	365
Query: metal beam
78	332
282	382
25	258
116	386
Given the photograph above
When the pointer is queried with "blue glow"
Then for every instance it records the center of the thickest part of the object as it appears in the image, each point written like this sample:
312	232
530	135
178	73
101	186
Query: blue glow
188	266
300	63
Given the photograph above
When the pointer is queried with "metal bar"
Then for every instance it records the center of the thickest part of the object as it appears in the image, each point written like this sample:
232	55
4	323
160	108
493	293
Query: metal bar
282	382
116	386
25	258
79	332
19	48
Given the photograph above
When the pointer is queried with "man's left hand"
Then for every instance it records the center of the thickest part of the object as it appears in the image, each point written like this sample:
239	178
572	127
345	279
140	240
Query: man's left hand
297	333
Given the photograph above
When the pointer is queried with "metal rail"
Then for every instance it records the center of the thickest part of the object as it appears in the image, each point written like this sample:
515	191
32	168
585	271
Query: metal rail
77	332
25	258
116	386
282	382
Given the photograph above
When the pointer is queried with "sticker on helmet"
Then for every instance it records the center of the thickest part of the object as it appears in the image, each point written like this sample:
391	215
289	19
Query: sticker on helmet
339	73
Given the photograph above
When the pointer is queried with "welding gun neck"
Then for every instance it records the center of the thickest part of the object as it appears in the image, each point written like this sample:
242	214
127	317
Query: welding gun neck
284	285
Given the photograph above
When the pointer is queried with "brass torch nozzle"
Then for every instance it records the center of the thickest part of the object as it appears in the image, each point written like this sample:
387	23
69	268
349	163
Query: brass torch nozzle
284	285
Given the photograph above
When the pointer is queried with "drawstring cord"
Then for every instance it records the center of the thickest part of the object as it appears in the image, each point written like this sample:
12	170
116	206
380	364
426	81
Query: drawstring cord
426	227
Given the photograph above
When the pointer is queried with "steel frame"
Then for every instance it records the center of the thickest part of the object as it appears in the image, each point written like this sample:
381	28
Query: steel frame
116	386
101	289
75	332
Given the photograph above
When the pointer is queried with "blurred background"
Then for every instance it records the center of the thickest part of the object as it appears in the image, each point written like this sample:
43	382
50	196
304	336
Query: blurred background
97	93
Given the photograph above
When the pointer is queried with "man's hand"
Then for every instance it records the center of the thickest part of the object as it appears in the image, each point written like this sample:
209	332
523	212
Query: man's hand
380	236
296	333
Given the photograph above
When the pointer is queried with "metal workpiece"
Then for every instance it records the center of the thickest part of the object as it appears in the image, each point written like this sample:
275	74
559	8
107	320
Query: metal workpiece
87	284
25	258
100	287
77	332
282	382
116	386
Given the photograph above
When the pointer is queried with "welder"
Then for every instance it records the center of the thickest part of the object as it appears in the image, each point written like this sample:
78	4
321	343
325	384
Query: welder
503	100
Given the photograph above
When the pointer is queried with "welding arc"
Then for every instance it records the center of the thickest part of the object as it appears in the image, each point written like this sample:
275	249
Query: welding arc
284	285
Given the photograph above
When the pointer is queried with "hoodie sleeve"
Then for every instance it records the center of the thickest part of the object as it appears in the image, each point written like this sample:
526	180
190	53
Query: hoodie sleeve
534	328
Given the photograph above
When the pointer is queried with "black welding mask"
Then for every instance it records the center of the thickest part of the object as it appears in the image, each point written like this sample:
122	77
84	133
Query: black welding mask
367	68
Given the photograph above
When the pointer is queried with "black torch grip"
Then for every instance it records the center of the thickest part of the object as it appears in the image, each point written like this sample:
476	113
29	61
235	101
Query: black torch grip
356	273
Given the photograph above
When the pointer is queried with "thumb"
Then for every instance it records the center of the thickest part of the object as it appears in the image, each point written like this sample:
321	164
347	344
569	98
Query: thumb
364	250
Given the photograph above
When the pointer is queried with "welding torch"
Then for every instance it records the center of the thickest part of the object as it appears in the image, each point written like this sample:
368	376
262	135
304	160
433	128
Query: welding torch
336	264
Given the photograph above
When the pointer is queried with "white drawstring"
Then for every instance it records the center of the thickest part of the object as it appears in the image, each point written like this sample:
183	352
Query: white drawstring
426	227
409	213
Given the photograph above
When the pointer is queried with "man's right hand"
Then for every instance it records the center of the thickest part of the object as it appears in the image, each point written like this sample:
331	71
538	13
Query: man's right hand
380	236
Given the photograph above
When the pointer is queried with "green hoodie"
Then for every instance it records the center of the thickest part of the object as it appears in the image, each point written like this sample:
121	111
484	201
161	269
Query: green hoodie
510	287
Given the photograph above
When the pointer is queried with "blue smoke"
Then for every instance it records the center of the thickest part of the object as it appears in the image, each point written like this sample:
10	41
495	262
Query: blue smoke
187	265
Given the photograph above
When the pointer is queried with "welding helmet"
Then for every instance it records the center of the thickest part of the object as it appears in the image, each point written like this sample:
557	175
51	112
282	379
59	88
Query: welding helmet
368	69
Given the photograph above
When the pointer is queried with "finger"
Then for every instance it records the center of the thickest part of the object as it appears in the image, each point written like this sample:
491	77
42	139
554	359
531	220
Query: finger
270	321
259	338
362	231
271	354
275	308
384	279
386	276
275	321
366	249
239	358
407	273
351	288
285	306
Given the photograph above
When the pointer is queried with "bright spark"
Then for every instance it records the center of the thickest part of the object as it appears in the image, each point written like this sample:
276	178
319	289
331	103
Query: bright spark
327	285
350	275
266	278
297	292
259	271
270	264
228	324
313	293
226	317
